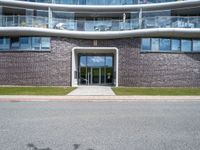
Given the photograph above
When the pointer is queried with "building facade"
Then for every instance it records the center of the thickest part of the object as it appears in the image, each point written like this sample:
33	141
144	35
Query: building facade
141	43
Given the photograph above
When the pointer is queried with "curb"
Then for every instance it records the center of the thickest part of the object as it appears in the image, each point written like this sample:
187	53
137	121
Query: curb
25	98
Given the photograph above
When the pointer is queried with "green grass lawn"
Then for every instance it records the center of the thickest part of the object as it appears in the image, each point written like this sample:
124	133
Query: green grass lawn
156	91
35	90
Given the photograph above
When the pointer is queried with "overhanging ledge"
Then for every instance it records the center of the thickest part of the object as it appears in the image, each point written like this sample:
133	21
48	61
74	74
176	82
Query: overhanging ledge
156	32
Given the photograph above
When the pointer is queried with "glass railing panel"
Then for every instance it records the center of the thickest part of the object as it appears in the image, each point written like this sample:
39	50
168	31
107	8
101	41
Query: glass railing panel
101	25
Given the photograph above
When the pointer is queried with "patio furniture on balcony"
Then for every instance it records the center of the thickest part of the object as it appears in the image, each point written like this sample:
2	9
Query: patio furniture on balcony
102	28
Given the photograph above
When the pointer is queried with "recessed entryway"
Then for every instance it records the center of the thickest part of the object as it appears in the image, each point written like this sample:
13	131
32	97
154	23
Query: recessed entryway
95	66
96	69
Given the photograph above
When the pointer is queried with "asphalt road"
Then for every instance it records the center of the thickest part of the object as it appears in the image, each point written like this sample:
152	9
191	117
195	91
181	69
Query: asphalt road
100	126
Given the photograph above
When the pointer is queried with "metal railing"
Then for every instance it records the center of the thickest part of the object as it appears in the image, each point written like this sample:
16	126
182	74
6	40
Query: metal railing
100	26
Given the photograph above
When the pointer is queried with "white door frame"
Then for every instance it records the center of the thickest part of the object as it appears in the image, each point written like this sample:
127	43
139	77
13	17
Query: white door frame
76	50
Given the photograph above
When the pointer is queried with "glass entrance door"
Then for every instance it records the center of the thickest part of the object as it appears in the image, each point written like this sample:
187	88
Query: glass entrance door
91	76
96	70
96	75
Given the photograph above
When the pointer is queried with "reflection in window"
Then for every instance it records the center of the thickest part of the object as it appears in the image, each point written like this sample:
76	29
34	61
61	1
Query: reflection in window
146	44
25	43
66	1
4	43
36	41
45	42
95	61
42	13
83	61
15	43
186	45
109	61
176	45
196	45
82	2
155	44
165	45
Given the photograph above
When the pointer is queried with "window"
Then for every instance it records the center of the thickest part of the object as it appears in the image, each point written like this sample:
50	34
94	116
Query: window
1	41
146	44
83	62
95	61
36	43
109	61
82	2
15	43
4	43
45	42
186	45
25	43
196	45
42	13
176	45
165	45
170	45
155	44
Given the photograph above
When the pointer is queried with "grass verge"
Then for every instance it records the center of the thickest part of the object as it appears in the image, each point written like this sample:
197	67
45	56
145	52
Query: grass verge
157	91
35	90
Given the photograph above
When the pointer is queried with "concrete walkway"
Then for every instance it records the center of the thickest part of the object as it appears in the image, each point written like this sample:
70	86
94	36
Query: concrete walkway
92	91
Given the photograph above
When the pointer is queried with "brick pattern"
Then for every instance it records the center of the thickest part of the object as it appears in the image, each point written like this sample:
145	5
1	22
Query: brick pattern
135	68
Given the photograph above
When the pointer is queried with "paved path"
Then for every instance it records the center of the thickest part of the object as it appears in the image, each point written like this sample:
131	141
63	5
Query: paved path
92	90
100	126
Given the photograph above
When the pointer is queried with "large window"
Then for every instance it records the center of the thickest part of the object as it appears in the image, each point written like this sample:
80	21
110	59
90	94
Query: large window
36	43
186	45
146	44
25	44
170	45
95	61
4	43
155	44
196	45
176	45
45	43
15	43
165	44
109	61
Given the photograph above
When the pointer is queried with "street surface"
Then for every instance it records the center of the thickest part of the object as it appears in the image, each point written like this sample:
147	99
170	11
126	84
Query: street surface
156	125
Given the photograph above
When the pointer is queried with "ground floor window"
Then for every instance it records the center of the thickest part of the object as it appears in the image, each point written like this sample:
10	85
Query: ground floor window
96	69
170	45
24	43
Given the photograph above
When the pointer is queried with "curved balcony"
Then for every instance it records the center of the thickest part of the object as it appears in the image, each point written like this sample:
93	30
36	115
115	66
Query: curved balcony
102	8
100	29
